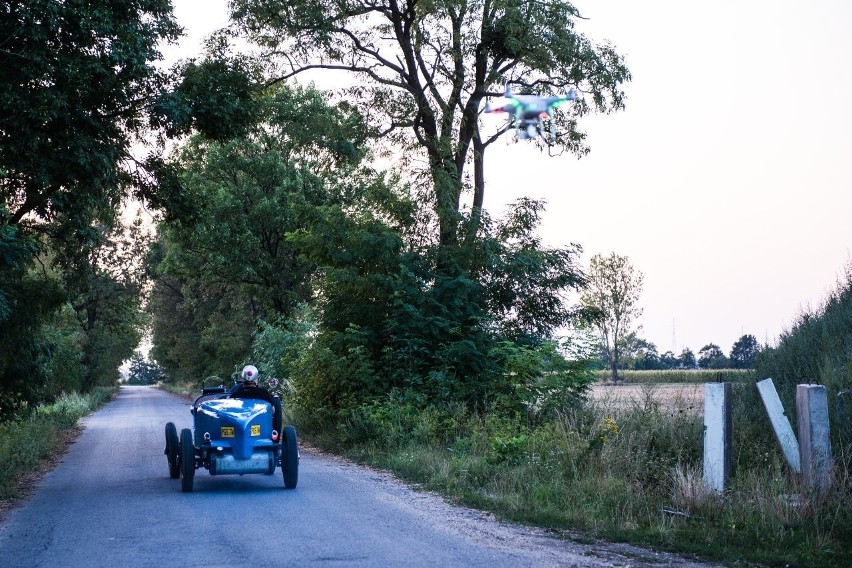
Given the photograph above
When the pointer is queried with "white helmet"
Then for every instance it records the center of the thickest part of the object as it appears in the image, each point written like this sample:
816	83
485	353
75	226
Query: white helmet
249	374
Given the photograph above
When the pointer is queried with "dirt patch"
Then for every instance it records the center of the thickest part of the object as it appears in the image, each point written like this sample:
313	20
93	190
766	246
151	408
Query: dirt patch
673	397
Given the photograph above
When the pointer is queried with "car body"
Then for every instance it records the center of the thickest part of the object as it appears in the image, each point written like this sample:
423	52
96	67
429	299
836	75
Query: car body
232	436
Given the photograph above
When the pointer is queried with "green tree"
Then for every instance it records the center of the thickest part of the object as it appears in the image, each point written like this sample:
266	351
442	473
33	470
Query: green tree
422	70
75	82
686	359
143	372
381	325
639	354
613	291
668	360
711	357
105	287
235	264
744	352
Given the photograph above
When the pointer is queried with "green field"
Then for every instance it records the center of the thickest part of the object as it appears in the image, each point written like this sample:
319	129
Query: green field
679	376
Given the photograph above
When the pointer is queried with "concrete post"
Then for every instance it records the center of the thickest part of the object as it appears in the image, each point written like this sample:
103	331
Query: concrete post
780	423
717	435
814	440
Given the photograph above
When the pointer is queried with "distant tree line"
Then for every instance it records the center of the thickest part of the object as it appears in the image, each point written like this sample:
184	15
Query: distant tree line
639	354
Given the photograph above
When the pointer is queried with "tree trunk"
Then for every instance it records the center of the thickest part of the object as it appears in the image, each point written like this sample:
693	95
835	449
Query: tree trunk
478	186
447	186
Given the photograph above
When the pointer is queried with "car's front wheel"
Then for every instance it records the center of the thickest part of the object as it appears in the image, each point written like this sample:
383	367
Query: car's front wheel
187	459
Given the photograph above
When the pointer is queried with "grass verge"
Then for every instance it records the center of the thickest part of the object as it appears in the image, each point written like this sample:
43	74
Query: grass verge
26	443
630	475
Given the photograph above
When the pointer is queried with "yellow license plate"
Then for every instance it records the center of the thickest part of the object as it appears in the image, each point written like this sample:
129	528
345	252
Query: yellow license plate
227	431
255	430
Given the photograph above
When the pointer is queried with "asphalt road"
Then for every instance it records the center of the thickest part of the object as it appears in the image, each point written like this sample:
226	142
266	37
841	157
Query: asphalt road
110	502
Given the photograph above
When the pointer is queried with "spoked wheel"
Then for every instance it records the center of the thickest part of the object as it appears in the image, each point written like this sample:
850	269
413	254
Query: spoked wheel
172	447
290	459
187	460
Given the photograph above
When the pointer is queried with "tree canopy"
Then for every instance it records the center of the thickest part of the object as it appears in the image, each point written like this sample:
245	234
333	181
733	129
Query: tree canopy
75	80
76	83
296	234
420	71
236	263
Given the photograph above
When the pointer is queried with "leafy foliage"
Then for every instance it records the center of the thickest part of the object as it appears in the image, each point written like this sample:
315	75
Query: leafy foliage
76	79
711	357
686	360
400	323
235	264
214	96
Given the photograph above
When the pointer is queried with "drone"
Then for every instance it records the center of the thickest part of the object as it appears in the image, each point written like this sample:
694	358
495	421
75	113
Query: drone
527	113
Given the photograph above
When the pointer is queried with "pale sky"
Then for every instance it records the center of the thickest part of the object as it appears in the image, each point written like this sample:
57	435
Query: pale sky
727	180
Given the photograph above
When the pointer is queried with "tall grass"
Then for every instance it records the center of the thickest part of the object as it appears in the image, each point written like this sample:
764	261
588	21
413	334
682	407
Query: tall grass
26	441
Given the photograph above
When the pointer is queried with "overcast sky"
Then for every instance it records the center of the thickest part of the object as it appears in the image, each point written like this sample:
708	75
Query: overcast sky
727	180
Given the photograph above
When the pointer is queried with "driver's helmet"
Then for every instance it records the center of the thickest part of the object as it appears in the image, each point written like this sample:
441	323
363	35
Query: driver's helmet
249	374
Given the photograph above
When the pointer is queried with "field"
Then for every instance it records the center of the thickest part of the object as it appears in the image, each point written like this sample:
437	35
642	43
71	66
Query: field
678	376
670	397
674	391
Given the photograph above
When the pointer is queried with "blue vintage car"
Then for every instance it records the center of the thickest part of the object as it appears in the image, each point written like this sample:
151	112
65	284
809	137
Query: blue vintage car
232	436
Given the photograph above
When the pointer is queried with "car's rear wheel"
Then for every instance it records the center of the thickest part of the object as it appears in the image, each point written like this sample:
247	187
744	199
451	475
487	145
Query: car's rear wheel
290	459
172	446
187	460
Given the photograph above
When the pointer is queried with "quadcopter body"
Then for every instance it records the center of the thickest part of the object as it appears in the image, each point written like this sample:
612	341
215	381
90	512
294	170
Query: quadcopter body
527	113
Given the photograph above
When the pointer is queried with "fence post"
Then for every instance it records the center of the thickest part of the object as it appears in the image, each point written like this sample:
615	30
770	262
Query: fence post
814	440
717	435
780	423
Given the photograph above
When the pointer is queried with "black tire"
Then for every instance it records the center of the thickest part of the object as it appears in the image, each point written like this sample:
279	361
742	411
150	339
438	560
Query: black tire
187	460
290	459
172	447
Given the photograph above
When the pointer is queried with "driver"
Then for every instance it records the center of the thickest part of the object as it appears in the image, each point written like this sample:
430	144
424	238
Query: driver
248	388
